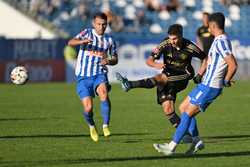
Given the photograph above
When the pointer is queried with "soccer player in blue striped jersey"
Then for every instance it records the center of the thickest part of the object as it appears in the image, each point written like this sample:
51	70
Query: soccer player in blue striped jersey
97	49
221	67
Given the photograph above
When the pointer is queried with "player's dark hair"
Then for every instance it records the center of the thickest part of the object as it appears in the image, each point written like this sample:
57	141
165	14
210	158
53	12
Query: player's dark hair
219	19
206	13
101	15
175	29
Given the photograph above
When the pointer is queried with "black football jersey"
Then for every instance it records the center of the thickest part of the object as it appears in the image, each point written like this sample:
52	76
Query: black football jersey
206	38
177	61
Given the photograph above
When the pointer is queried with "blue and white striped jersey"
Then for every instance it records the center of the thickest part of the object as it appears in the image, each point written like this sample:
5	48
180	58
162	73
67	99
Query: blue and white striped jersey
217	67
90	55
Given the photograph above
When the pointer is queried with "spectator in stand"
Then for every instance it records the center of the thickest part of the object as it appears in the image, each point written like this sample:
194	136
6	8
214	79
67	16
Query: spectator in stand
173	5
152	5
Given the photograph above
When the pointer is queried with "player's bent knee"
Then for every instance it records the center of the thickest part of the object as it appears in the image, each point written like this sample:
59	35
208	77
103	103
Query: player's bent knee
168	107
87	104
168	110
102	92
88	108
184	105
103	97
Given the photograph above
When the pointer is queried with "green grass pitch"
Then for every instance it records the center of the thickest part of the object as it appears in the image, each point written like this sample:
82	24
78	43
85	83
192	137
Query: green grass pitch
42	125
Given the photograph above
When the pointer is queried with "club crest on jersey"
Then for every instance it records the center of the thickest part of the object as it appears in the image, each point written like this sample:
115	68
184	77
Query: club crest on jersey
183	56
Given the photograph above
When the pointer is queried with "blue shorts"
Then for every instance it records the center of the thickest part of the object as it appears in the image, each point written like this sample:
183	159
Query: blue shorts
203	95
86	87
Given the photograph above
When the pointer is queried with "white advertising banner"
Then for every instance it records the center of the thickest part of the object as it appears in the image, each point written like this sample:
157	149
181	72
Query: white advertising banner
132	62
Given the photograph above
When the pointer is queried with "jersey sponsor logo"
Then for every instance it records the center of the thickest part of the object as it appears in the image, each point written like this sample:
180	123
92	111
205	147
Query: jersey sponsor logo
94	53
183	56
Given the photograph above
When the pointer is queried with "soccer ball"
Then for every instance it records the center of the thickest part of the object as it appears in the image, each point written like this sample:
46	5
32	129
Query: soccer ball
19	75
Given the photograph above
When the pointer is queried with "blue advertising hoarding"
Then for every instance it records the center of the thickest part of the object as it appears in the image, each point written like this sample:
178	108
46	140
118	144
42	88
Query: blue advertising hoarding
132	55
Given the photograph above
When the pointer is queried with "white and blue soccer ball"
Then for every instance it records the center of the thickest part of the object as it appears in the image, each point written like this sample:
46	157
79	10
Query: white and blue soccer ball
19	75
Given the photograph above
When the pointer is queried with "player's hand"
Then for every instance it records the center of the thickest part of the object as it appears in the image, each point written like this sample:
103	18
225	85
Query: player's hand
159	66
197	79
228	83
105	61
86	41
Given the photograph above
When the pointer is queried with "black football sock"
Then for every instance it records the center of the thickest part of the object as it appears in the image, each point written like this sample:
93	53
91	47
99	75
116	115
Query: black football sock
143	83
174	119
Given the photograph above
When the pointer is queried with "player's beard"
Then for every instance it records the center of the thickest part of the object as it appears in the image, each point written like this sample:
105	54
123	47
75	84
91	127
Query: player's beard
101	31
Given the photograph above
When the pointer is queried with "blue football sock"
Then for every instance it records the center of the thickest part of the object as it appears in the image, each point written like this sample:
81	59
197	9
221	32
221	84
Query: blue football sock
193	129
105	111
89	118
182	128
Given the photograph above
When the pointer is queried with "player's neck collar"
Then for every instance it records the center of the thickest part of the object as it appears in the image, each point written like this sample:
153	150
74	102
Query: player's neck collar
94	32
220	35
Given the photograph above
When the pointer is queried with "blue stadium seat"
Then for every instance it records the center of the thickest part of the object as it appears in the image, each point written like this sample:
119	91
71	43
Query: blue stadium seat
73	25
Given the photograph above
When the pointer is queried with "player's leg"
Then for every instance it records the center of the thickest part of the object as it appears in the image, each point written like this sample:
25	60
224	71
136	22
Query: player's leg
86	93
142	83
193	130
102	91
199	99
196	144
169	111
169	148
189	110
166	96
181	130
87	104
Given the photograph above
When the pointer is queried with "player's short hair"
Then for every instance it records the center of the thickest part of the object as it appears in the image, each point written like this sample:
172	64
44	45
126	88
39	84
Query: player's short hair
175	29
101	15
206	13
218	18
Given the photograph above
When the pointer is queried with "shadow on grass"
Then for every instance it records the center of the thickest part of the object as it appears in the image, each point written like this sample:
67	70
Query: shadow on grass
65	135
26	119
123	159
228	137
217	139
131	134
208	139
42	136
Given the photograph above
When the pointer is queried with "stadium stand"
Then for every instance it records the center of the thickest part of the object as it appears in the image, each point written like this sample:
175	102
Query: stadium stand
137	18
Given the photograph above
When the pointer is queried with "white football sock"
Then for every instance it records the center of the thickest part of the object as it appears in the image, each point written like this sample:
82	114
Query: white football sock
172	145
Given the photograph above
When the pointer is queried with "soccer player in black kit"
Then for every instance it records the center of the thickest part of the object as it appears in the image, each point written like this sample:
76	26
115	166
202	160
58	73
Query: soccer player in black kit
204	38
176	69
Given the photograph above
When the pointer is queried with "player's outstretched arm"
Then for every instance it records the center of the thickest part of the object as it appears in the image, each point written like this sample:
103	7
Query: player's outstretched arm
151	63
231	69
203	67
198	78
75	41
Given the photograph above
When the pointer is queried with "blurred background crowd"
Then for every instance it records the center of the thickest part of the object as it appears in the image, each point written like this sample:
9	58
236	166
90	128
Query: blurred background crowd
136	18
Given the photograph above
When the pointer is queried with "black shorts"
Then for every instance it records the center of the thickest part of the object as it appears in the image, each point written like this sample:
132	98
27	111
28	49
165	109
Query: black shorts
170	90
